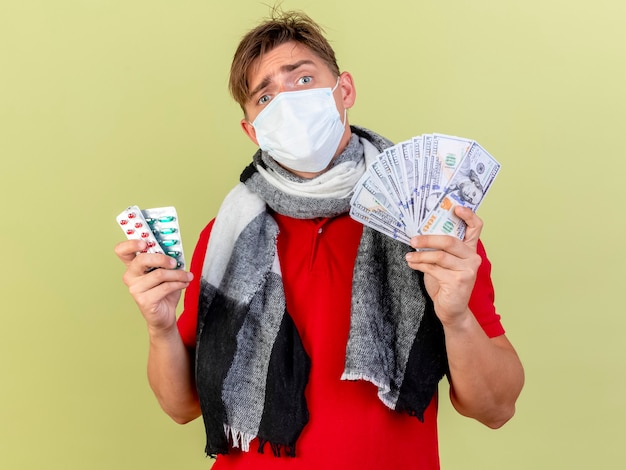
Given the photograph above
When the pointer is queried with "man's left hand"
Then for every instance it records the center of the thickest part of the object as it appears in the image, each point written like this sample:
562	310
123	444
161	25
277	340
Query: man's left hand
449	266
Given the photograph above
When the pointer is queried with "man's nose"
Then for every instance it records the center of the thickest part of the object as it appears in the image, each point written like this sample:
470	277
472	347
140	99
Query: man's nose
283	85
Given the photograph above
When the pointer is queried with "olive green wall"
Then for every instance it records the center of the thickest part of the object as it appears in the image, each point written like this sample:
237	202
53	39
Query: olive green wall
109	103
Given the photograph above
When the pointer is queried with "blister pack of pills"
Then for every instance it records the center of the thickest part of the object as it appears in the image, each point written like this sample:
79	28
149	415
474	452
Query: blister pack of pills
158	227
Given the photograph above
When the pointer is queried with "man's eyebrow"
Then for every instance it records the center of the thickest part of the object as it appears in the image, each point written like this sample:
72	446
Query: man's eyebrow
285	68
292	67
265	82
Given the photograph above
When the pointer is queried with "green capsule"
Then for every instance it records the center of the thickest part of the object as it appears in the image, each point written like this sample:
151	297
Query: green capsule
166	218
173	254
150	220
168	231
168	243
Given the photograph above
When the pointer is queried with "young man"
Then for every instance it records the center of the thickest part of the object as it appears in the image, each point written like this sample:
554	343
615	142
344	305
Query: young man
308	341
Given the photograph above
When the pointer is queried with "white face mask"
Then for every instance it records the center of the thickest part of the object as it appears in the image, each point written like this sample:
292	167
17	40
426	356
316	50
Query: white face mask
301	129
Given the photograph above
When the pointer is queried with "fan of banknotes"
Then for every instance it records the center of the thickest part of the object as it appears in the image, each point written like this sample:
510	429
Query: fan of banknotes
413	187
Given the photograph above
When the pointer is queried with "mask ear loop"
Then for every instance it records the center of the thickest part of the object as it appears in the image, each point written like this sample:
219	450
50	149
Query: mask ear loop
345	111
345	117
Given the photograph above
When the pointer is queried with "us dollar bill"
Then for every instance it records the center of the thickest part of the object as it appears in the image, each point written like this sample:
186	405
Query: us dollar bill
467	187
370	220
370	201
412	188
446	153
386	170
417	144
406	159
426	165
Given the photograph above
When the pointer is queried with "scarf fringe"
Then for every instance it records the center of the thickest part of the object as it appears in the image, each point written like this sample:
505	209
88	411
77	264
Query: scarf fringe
290	451
240	439
363	376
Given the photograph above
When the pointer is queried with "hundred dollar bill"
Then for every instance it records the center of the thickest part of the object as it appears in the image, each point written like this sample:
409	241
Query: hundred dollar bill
424	178
368	202
370	184
394	157
446	153
417	149
406	162
379	172
467	188
386	168
375	224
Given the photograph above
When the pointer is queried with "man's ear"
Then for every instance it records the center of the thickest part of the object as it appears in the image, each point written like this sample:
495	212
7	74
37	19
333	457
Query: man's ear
348	91
249	130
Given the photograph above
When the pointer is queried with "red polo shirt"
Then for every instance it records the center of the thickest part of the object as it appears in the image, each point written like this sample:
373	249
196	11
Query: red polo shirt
349	428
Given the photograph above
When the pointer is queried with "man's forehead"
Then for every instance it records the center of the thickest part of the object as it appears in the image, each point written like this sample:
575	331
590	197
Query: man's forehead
282	58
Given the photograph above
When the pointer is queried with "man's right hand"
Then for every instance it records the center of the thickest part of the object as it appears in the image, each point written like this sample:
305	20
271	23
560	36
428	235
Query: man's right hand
156	291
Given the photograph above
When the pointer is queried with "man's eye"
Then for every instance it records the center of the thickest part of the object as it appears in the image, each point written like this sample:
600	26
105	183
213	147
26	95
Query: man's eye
305	80
264	99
